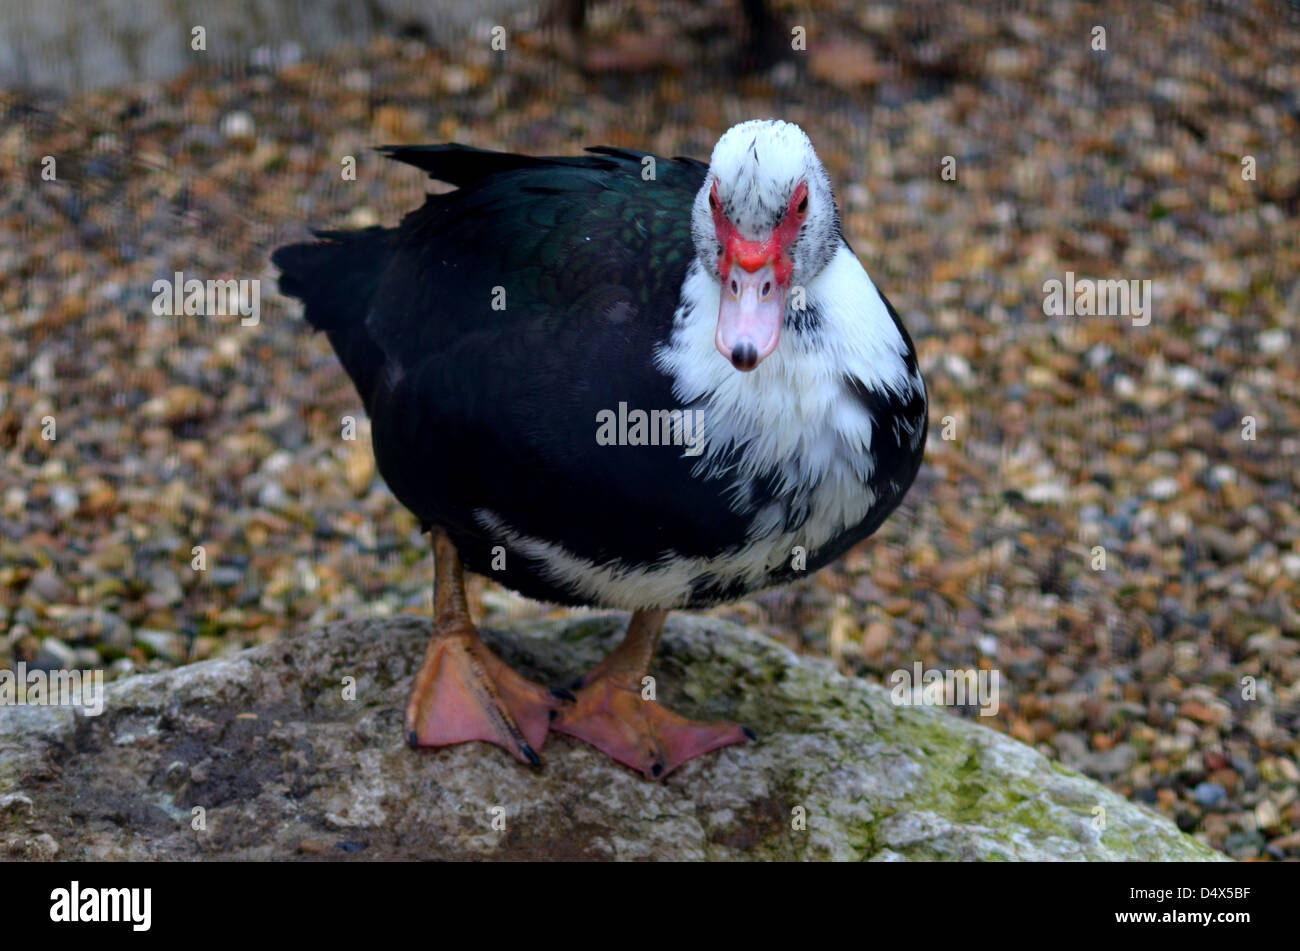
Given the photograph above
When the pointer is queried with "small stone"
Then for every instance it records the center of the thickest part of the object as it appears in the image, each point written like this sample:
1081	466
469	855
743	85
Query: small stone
16	801
456	80
876	638
1289	771
1290	843
1185	377
1226	778
237	125
55	655
1112	762
224	576
1071	747
47	586
165	644
1046	492
1209	795
1266	815
180	404
1272	341
1203	712
42	847
1155	661
65	499
1164	488
272	496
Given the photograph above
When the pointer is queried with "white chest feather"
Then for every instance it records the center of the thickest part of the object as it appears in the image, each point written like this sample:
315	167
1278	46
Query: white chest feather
795	415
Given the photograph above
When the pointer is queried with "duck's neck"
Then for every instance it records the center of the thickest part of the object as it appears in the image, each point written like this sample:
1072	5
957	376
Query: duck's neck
844	333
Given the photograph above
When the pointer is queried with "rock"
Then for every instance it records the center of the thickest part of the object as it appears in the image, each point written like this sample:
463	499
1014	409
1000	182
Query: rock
224	576
1155	661
237	125
1110	763
1266	815
165	644
55	655
1164	488
1209	795
284	765
48	587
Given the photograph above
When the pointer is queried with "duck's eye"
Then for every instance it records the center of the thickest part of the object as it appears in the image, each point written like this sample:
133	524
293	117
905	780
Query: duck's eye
803	205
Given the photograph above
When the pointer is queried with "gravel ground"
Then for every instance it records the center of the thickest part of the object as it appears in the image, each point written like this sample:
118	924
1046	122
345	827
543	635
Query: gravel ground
1172	674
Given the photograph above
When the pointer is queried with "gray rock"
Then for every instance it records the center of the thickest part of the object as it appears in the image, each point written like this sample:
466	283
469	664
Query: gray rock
47	586
1209	795
55	655
166	644
281	765
1112	762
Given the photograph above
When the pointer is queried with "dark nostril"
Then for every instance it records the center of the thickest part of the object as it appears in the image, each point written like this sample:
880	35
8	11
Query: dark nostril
744	356
735	288
767	287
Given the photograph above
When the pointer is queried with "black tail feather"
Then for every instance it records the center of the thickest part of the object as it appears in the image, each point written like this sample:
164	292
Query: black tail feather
336	279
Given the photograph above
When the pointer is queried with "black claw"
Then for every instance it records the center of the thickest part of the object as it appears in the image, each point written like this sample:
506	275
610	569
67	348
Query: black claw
412	740
562	694
657	770
749	733
576	684
530	754
554	714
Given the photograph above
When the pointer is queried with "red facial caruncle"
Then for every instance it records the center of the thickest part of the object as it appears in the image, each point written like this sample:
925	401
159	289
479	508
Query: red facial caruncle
755	282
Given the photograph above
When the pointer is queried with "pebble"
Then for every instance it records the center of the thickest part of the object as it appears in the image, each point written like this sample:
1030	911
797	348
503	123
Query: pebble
166	644
1274	341
65	499
1164	488
225	577
1209	795
237	125
1112	762
1267	816
876	638
49	587
56	655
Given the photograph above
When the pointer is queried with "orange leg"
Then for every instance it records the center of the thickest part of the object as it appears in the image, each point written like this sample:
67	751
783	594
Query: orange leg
465	692
610	713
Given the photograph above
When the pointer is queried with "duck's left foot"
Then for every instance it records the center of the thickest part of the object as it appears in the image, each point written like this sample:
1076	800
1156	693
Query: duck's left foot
465	692
609	712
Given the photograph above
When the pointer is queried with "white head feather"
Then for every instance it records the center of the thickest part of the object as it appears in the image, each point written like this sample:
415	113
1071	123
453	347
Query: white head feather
758	164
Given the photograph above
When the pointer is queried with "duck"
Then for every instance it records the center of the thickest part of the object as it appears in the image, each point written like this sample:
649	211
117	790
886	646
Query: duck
621	381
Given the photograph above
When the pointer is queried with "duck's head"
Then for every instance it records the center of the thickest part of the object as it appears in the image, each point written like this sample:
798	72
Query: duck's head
764	222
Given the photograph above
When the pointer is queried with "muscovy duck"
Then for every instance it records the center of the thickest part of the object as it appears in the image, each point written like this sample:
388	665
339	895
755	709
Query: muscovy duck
499	332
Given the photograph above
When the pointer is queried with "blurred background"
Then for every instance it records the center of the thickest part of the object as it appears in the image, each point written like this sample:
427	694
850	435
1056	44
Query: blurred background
1171	153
